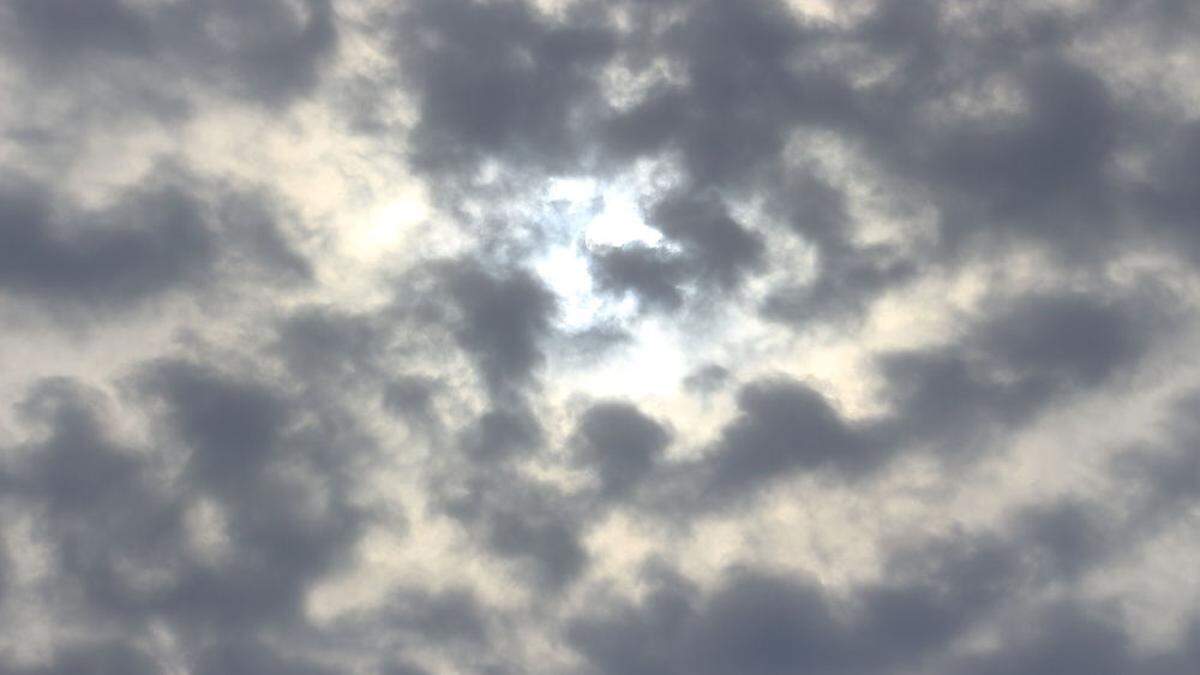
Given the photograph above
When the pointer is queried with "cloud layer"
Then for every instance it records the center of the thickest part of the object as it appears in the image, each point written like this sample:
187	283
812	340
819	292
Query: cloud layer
570	336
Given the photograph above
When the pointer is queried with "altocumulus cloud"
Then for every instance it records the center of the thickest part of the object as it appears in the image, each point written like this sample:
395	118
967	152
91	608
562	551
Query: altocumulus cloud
583	336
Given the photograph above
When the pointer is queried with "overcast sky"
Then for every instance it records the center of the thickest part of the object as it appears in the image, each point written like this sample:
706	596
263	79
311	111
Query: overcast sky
628	337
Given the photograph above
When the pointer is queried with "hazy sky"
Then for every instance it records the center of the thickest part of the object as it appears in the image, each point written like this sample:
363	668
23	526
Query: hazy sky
630	337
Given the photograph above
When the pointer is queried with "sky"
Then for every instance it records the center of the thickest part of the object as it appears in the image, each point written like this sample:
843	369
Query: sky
626	337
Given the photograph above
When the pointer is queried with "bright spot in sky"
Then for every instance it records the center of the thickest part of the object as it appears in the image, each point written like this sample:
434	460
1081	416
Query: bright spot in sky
652	364
591	215
388	225
614	217
594	215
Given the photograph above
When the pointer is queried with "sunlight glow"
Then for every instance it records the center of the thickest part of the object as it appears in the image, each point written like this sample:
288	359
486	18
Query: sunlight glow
388	226
592	215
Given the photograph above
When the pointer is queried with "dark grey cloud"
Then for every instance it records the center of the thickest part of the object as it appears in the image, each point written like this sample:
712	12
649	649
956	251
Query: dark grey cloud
122	531
152	240
100	658
454	615
715	253
848	275
412	397
231	426
405	669
931	387
707	379
784	426
730	118
1070	536
1078	338
497	80
650	273
848	281
146	246
933	595
620	443
546	542
501	319
253	225
718	248
413	618
1168	198
1066	640
239	429
747	87
1166	473
327	343
840	292
1042	175
1024	354
957	401
101	507
102	26
246	658
267	51
500	434
534	527
1051	164
760	622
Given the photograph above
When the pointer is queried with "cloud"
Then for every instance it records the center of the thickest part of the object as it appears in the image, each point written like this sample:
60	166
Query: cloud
1165	472
544	541
707	378
1029	352
327	343
719	248
128	535
652	274
499	434
785	426
529	525
496	81
267	51
620	443
933	595
501	321
570	336
729	118
759	622
113	657
102	264
153	240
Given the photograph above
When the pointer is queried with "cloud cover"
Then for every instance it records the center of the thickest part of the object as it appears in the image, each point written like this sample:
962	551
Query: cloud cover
568	336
